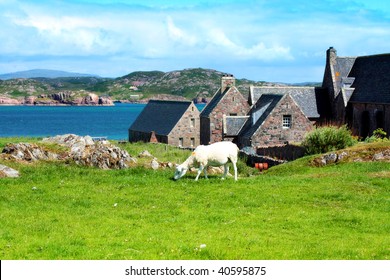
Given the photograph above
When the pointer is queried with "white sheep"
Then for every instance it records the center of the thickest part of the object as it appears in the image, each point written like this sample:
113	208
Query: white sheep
216	154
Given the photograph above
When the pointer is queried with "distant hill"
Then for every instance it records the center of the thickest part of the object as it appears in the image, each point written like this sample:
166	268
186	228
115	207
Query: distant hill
194	83
189	83
42	73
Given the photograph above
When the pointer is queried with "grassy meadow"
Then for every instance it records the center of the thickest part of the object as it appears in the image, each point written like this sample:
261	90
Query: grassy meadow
57	210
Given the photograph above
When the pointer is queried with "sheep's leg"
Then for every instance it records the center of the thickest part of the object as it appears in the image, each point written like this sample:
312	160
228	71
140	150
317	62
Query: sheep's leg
235	169
200	169
205	172
225	171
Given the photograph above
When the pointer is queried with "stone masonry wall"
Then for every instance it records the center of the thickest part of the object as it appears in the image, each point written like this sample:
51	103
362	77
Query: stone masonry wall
186	129
232	103
272	132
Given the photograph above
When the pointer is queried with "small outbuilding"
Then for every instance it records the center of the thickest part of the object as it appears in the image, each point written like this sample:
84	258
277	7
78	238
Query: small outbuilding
172	122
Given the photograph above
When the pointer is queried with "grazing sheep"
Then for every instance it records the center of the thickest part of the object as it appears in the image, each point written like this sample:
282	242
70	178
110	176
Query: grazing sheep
216	154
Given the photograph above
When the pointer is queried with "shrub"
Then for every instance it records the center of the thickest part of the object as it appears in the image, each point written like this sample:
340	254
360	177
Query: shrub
378	135
328	138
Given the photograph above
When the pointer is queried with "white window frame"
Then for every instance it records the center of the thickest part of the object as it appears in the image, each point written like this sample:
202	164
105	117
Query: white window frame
287	121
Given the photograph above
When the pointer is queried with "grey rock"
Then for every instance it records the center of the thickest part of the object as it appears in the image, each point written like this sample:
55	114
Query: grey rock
6	171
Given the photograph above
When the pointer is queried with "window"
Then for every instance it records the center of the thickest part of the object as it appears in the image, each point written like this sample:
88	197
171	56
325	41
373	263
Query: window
192	123
192	142
286	121
180	142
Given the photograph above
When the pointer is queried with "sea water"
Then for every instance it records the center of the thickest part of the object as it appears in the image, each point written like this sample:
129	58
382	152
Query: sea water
112	122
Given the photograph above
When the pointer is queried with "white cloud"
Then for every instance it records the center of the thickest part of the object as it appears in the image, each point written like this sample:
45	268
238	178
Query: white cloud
257	51
248	34
179	35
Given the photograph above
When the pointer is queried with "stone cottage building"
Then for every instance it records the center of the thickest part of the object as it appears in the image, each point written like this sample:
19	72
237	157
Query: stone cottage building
171	122
227	101
276	118
270	115
358	89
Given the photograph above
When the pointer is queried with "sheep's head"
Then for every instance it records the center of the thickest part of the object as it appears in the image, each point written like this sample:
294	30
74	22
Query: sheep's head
180	172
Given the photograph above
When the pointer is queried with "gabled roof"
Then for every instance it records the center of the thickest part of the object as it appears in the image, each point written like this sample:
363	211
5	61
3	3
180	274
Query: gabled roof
160	116
213	102
264	106
372	79
305	97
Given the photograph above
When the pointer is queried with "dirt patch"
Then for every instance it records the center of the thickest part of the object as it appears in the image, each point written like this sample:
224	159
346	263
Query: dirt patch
381	174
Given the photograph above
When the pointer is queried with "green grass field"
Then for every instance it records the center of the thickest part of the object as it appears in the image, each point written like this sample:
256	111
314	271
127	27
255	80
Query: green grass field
293	211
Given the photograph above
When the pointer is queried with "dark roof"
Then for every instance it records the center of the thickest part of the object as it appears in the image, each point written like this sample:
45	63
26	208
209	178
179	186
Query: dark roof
213	103
234	124
372	79
343	65
264	106
305	97
160	116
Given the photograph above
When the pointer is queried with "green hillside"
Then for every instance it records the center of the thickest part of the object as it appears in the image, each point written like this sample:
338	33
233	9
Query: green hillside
188	83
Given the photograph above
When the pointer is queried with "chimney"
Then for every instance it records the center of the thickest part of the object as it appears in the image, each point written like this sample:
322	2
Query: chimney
227	81
331	55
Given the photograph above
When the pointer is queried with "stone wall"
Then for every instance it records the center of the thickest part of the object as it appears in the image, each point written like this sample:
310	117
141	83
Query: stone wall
188	127
272	131
233	103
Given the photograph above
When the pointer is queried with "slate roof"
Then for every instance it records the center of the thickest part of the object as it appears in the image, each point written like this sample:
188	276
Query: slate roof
160	116
258	114
234	124
307	98
213	102
372	79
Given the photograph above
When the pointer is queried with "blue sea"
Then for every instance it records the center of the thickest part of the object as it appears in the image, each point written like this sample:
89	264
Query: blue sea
112	122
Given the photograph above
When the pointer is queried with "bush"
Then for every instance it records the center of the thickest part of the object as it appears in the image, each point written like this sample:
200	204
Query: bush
378	135
328	138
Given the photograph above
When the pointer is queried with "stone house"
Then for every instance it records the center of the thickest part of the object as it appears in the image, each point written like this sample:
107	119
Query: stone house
275	119
278	115
227	101
270	115
358	89
171	122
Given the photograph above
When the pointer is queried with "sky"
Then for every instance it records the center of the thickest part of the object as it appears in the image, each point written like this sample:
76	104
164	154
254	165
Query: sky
261	40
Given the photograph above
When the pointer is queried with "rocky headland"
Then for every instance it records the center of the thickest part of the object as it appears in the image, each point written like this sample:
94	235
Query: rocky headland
59	98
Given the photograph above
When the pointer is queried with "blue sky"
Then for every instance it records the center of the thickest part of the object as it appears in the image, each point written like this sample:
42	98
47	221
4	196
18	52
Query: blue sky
276	41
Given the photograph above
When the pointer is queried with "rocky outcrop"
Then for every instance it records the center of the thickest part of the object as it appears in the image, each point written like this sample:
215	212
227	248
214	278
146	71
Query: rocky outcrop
352	156
6	171
59	98
101	154
28	152
81	150
4	100
63	97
